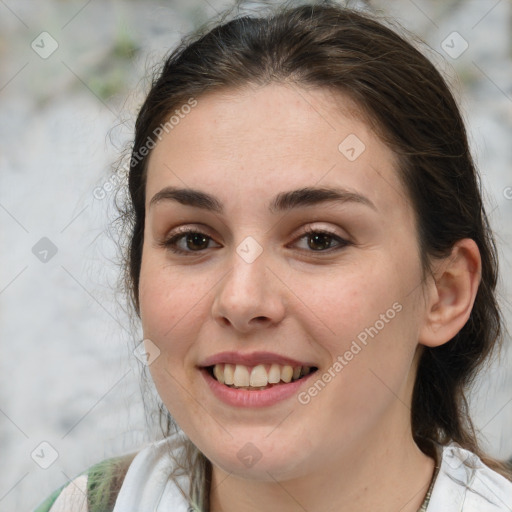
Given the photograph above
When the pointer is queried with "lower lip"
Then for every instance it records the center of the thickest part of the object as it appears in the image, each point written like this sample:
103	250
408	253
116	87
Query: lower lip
256	398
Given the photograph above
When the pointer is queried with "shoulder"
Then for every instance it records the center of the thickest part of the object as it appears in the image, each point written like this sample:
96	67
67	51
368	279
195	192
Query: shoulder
93	490
164	476
465	483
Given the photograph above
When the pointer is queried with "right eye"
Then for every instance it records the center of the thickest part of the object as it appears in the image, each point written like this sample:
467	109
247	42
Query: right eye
192	238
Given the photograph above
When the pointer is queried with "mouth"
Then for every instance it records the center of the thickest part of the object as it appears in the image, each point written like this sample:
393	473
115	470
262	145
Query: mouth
258	377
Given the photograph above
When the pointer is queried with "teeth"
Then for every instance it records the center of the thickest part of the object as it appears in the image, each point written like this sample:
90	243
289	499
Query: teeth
229	374
286	373
241	377
219	374
274	374
258	377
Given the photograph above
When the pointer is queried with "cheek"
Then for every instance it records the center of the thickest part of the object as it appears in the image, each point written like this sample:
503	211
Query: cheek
347	302
168	301
169	308
370	322
168	320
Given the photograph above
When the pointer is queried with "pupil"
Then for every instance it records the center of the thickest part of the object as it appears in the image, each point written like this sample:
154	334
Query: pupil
196	237
316	237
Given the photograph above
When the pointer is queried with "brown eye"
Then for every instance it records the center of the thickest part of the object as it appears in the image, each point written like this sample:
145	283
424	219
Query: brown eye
190	241
194	241
321	241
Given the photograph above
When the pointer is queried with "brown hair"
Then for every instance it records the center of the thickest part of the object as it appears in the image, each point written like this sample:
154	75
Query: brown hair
410	106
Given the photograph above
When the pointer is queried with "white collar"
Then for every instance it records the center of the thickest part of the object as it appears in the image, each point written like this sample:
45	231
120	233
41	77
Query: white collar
463	483
147	486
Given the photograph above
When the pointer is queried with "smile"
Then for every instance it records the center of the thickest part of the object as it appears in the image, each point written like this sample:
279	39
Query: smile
256	380
259	377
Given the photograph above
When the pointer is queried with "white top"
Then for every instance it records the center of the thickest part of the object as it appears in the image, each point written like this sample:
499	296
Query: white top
463	484
466	484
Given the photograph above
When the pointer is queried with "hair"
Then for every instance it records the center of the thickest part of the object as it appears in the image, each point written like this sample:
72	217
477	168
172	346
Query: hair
410	106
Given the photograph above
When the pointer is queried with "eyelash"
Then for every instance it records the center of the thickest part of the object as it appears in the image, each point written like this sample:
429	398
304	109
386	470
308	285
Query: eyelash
171	242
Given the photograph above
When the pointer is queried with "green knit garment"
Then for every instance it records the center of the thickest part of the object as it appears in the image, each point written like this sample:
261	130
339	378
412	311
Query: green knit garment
103	483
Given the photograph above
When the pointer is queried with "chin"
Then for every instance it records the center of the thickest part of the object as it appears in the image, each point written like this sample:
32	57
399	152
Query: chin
258	456
266	469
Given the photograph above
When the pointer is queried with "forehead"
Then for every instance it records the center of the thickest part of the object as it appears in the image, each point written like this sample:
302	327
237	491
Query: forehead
252	143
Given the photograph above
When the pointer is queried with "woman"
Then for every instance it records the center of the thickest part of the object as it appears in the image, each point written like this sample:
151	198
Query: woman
315	276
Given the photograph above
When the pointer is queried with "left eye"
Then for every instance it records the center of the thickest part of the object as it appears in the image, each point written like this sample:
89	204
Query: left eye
196	241
322	240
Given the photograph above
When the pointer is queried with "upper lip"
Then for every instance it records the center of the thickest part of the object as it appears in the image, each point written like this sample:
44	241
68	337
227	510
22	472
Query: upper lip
252	359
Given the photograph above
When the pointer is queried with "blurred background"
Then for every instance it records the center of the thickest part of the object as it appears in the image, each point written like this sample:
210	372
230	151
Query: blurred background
72	75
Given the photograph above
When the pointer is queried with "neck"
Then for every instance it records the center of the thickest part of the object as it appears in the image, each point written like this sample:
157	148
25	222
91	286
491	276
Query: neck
389	474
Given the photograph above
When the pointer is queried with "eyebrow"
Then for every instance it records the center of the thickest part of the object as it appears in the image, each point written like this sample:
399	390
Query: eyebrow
282	202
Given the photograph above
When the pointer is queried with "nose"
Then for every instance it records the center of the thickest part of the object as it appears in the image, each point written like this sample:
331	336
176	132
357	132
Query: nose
250	296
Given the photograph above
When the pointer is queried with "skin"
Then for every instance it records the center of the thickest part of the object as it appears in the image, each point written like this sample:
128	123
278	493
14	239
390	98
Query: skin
351	447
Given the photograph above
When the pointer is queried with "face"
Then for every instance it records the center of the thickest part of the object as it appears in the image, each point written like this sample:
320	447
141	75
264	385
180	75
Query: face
266	280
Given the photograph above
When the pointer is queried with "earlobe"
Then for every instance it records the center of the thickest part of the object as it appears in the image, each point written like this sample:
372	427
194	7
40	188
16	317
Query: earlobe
452	294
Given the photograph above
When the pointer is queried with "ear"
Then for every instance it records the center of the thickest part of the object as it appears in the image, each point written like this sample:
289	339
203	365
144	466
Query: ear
451	294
